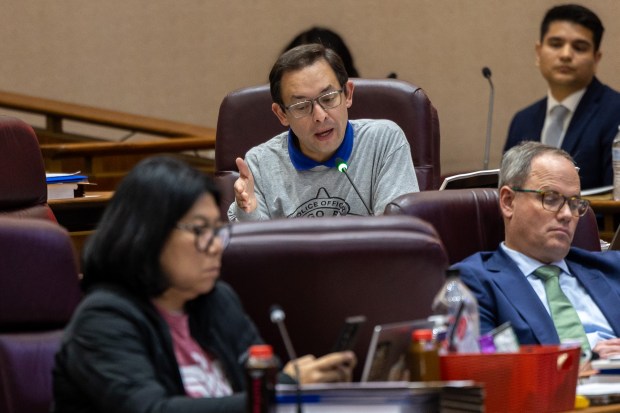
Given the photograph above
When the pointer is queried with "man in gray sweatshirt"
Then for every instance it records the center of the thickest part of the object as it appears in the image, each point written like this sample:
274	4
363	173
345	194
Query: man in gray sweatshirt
296	173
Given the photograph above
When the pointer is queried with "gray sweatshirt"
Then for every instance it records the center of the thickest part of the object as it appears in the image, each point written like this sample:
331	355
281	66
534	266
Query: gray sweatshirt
380	165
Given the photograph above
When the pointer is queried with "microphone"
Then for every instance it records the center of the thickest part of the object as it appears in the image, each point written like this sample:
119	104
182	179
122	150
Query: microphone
486	72
277	316
343	167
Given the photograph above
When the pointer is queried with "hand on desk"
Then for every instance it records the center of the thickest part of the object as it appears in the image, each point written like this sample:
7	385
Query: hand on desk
586	370
608	348
244	187
333	367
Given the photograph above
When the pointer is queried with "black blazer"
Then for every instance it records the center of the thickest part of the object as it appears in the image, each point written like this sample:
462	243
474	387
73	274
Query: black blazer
589	135
117	354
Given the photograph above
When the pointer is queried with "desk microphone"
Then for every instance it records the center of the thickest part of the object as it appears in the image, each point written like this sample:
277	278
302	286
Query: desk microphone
342	167
486	72
277	316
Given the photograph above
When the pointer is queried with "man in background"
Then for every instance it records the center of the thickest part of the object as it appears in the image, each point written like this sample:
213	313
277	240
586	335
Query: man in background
580	114
296	174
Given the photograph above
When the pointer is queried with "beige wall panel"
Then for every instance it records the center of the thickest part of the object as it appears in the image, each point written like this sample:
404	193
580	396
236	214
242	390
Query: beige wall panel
178	59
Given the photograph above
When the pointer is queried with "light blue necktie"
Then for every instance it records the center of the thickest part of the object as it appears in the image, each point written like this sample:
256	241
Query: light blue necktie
564	315
556	126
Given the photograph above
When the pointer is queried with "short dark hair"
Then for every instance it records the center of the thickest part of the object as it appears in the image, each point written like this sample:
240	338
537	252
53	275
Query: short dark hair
125	248
300	57
516	163
576	14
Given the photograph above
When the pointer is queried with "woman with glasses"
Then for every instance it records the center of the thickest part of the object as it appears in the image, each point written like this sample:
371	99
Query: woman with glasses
156	330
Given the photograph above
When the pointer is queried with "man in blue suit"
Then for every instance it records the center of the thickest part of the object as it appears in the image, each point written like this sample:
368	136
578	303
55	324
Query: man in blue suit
567	56
540	204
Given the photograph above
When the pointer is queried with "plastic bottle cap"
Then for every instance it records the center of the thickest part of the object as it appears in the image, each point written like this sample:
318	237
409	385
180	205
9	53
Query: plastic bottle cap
261	350
581	402
423	334
487	345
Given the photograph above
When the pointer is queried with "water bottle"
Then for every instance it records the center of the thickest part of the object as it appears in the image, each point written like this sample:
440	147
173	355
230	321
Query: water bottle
261	375
459	305
615	161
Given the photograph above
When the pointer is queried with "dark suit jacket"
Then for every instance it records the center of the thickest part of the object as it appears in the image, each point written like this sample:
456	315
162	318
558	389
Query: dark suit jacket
589	135
504	294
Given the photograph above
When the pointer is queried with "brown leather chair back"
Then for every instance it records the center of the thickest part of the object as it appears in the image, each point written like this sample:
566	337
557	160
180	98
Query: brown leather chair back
23	190
614	245
469	220
321	271
38	294
246	120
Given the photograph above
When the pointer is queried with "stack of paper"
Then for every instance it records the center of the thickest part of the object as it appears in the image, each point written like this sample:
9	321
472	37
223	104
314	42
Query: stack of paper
382	397
602	388
65	185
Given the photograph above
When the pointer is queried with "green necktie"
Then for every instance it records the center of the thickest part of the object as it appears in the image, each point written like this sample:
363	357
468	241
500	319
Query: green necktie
565	318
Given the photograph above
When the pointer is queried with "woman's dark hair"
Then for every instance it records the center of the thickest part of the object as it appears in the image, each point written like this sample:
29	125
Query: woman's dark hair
125	248
329	39
300	57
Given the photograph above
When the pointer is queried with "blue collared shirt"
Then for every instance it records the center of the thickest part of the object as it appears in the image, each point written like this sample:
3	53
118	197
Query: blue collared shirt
302	163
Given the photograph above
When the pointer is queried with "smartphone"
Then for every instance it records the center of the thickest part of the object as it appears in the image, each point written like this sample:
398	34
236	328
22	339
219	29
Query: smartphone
348	333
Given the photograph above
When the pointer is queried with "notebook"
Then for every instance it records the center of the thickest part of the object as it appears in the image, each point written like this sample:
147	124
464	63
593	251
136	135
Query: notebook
385	360
487	178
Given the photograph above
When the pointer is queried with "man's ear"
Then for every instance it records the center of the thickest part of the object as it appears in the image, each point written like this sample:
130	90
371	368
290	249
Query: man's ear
537	49
348	93
506	201
277	109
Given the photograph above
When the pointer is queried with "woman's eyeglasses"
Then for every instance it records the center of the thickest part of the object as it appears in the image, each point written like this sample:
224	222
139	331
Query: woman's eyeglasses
205	234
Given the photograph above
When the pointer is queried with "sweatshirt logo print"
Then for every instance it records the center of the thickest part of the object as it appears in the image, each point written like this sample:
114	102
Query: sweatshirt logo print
322	206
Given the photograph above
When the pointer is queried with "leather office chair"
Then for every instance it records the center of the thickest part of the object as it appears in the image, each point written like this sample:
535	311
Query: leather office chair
39	291
23	190
614	245
469	220
323	270
246	120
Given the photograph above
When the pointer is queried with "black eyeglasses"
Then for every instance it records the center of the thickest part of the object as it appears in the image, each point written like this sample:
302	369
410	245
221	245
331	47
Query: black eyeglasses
554	201
205	234
326	101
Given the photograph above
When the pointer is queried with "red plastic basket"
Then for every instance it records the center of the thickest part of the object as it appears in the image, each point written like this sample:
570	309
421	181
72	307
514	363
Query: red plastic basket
536	379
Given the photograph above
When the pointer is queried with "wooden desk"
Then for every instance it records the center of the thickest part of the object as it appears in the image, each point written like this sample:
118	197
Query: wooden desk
610	408
56	112
80	216
108	162
609	210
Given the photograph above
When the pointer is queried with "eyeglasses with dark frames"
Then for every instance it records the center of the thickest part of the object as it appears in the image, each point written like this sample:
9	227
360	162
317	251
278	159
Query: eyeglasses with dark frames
329	100
553	201
205	234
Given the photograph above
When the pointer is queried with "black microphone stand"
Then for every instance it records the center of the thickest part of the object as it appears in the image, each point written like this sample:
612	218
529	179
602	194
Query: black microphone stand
486	72
277	316
343	167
